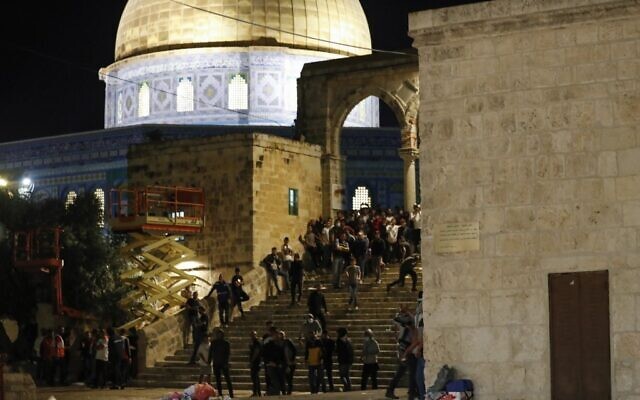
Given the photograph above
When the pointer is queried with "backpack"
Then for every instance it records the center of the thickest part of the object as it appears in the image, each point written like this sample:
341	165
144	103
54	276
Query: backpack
445	375
314	356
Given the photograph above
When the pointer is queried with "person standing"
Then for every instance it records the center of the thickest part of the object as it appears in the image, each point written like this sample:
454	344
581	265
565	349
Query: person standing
126	357
290	354
47	354
340	253
255	355
272	264
219	354
102	359
273	355
192	305
407	330
204	363
377	253
360	247
296	275
238	294
370	351
318	305
328	346
310	328
353	274
223	296
116	350
313	359
344	350
407	267
201	328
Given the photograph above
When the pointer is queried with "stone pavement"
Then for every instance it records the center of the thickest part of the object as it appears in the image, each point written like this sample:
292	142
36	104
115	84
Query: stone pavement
83	393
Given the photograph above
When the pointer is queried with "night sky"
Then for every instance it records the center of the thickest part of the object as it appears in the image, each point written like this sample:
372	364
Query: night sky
45	97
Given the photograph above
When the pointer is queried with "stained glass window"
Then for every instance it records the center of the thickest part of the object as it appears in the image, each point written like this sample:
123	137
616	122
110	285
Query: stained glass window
99	193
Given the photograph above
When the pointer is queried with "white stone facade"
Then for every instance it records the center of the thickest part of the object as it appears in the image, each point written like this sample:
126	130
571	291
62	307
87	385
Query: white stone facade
196	87
529	121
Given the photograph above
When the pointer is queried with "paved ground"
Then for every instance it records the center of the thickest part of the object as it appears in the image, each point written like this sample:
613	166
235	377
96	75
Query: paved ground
82	393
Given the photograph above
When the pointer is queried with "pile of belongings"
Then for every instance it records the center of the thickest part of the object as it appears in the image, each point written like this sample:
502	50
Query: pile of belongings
447	387
199	391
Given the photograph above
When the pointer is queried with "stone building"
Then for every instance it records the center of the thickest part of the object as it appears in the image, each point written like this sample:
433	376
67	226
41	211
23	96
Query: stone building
530	173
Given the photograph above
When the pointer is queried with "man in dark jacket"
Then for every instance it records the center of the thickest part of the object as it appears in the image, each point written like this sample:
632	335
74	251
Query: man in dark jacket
344	350
238	294
255	354
274	360
290	354
377	252
318	306
296	274
200	330
116	351
407	268
219	354
328	345
224	298
272	263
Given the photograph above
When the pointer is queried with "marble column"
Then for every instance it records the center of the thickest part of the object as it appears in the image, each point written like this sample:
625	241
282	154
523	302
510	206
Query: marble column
409	156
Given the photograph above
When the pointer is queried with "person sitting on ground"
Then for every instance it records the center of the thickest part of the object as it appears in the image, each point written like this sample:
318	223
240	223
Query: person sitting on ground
317	305
296	276
223	296
344	350
407	267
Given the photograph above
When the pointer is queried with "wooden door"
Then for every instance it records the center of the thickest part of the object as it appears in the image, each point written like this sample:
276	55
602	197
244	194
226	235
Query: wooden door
579	333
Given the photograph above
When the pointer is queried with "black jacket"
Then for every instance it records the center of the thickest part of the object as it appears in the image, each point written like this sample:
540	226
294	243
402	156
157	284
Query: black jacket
272	352
316	302
344	350
328	345
255	352
219	352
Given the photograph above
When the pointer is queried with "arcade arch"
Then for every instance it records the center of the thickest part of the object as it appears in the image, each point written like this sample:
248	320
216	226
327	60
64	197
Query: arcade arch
328	91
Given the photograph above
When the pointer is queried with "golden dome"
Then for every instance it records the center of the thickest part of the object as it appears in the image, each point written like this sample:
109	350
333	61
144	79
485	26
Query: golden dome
149	26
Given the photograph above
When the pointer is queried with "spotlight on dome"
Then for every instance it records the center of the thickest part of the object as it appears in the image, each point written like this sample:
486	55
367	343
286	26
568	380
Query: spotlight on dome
26	188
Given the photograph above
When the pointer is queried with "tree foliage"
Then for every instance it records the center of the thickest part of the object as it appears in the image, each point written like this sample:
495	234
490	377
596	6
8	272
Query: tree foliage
92	264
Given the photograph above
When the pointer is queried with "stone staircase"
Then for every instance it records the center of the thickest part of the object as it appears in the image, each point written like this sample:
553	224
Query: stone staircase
376	311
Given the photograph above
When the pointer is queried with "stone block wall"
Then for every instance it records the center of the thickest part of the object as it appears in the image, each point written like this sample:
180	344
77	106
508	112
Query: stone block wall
18	386
280	165
246	178
529	121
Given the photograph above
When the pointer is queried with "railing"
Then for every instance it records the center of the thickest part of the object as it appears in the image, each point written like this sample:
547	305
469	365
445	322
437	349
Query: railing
37	246
157	201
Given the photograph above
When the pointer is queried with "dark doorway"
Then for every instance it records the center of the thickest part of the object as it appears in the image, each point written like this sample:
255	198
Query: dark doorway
579	332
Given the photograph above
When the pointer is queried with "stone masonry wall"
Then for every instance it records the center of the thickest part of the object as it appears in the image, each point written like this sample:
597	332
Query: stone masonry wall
529	118
281	164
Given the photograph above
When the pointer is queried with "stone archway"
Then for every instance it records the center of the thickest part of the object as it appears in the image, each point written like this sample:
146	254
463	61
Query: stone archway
327	91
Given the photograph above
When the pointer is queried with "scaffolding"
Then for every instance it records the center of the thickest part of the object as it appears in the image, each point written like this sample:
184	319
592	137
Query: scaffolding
156	219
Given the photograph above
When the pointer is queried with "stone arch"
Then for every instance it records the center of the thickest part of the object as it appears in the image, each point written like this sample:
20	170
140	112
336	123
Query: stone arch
328	91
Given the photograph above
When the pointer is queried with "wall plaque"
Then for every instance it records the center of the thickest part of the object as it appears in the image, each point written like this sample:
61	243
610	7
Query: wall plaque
457	237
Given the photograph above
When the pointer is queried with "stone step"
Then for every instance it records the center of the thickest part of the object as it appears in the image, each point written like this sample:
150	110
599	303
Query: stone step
376	310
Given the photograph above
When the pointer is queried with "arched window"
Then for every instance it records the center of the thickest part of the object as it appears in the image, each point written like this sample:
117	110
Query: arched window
119	109
185	95
238	93
360	197
71	198
99	193
144	96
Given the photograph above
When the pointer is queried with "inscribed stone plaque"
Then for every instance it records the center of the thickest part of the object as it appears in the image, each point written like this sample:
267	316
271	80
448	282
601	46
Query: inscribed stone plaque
457	237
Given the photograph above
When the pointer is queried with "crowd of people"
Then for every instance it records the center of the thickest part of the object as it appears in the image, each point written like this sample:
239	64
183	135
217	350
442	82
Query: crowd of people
106	357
